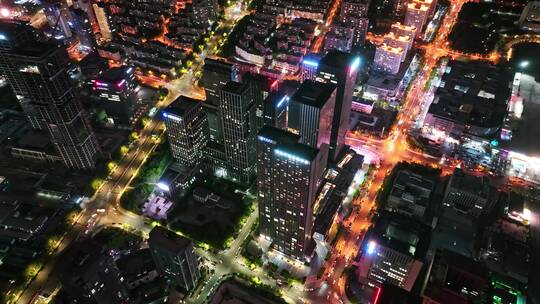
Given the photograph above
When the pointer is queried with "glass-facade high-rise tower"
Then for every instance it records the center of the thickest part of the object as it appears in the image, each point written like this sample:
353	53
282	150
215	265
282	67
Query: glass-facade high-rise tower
37	73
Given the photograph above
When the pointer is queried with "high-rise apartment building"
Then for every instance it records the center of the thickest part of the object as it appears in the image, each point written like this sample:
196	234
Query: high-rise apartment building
175	257
408	32
187	130
416	15
341	69
388	59
354	7
398	42
37	73
288	175
354	14
394	250
340	37
239	124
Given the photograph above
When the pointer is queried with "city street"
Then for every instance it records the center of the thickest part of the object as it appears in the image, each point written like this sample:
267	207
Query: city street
104	209
108	195
389	151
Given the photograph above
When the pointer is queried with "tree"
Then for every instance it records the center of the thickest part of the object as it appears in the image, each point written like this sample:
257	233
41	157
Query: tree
96	183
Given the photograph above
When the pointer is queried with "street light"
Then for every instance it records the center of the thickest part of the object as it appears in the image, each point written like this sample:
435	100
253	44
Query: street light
524	64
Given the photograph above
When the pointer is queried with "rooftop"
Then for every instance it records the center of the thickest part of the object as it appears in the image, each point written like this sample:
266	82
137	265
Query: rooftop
235	87
473	93
470	183
136	264
115	74
314	93
182	105
337	59
167	239
287	142
401	233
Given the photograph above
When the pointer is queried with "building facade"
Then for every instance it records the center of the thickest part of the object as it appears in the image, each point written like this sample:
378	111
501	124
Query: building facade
388	59
239	124
341	69
115	89
311	114
288	175
37	73
175	257
187	130
394	251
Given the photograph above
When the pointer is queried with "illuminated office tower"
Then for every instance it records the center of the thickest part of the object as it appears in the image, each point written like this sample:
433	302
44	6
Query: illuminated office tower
416	15
275	110
260	88
341	69
239	124
288	174
187	130
388	59
310	114
115	88
37	73
394	250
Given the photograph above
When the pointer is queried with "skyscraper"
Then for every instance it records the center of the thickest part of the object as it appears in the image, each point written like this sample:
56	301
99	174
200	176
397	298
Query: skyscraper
309	66
288	175
402	42
175	257
339	68
216	73
37	73
187	130
275	110
260	88
401	30
310	114
239	125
